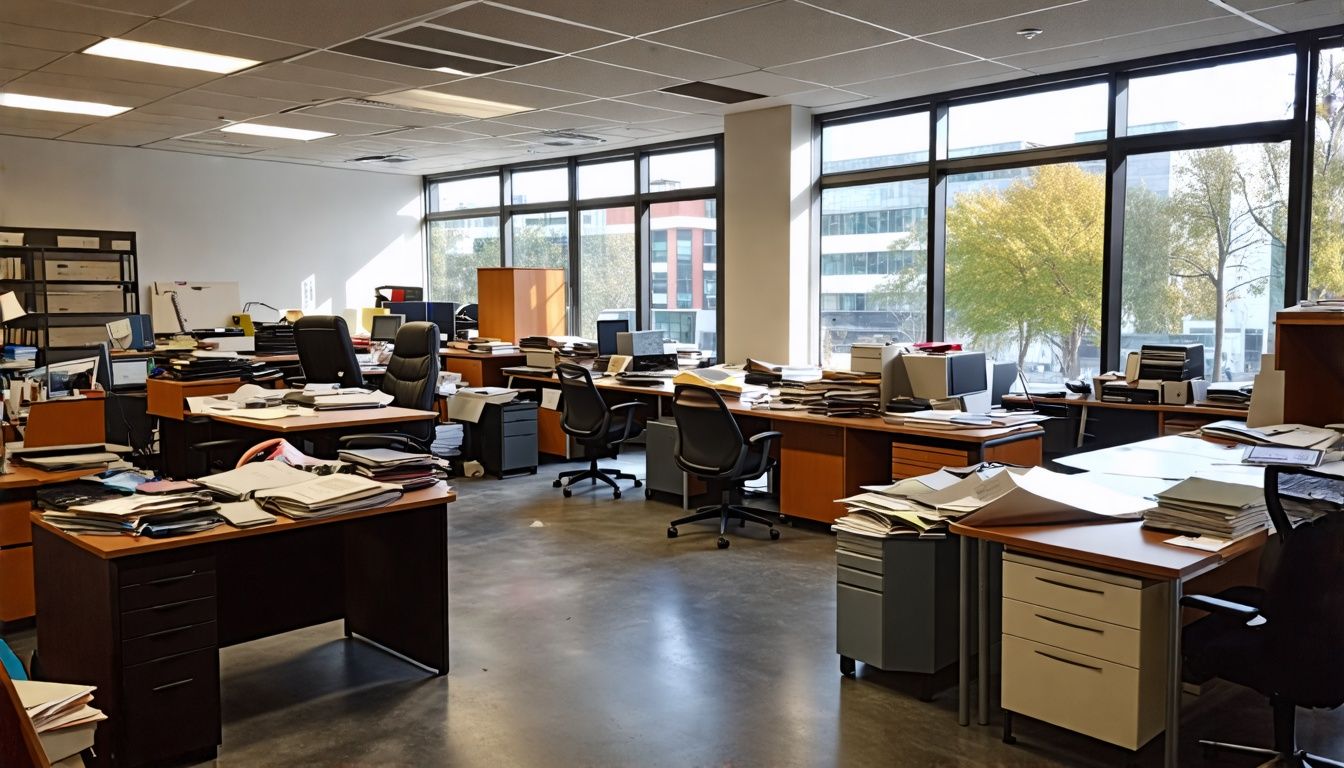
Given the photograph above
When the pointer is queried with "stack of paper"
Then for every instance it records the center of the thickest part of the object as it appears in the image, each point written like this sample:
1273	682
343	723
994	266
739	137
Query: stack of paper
1208	507
958	420
1289	435
468	404
408	471
888	511
448	439
724	381
61	716
1034	496
139	515
336	400
243	482
326	496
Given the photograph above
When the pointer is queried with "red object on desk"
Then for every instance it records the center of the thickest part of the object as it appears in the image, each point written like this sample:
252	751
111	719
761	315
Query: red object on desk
937	347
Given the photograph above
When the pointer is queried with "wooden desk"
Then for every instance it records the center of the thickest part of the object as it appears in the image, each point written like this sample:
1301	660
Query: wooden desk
66	421
16	551
480	370
325	421
825	458
144	619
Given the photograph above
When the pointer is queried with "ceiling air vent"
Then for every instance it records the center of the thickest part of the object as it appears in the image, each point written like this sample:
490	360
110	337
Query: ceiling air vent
565	138
381	159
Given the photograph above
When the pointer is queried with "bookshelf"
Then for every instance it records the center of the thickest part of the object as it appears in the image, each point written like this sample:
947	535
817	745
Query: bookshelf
72	282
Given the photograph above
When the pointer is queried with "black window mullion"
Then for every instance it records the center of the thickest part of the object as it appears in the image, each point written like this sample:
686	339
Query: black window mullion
935	299
1301	170
1112	254
575	251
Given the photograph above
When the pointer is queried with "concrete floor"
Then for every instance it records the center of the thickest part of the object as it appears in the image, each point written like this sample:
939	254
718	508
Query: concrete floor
593	640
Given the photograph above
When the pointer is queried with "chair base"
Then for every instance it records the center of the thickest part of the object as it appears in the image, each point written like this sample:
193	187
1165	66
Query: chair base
724	512
1299	759
608	475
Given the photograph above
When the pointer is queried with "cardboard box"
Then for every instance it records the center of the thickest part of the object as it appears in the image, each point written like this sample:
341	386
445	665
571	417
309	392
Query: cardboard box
82	269
1175	392
86	301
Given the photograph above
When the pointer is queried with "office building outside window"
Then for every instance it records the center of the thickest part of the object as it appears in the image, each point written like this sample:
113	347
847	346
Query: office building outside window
457	247
607	259
685	315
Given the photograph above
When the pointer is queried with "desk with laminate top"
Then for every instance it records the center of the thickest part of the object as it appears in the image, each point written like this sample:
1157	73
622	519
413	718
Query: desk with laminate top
479	370
144	619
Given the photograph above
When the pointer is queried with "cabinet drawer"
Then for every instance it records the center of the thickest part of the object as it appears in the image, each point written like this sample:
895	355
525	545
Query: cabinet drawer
148	621
14	525
1103	640
1099	698
862	579
858	561
158	570
166	590
1068	591
172	707
169	642
524	413
858	624
520	427
17	600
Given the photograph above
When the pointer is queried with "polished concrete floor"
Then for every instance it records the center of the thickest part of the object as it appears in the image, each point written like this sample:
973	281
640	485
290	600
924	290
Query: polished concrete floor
582	636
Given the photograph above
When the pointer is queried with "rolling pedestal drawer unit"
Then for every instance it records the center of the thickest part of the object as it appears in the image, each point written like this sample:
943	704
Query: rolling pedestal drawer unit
1084	649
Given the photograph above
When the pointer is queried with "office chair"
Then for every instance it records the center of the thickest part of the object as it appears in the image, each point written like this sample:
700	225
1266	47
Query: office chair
598	428
711	447
411	379
1284	639
325	351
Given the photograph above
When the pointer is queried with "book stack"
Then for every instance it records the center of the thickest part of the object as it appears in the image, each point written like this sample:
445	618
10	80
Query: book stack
448	439
220	366
960	420
1234	394
1171	362
408	471
830	397
492	347
326	496
61	715
139	515
1202	507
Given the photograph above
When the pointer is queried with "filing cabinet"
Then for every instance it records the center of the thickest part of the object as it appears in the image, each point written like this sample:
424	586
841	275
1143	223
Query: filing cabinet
504	439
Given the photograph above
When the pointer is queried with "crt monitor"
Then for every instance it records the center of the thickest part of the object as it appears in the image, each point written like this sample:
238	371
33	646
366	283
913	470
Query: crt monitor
385	327
606	335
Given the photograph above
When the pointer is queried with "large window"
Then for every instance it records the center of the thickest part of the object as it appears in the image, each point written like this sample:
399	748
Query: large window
463	194
1325	278
676	260
607	257
887	141
1224	94
1204	252
1051	118
682	170
457	247
615	178
873	265
541	240
1024	267
544	186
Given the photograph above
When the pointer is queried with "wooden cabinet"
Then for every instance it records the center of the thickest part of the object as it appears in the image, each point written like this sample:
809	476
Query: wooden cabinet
1309	349
515	302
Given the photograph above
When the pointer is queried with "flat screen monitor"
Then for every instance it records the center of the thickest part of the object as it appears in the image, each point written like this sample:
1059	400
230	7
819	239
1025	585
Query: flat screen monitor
65	369
606	335
385	327
130	372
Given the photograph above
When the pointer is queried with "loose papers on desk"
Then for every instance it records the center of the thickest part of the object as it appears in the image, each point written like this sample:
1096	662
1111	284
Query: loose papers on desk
1202	506
1036	496
138	515
407	471
243	482
468	404
1288	435
326	496
960	420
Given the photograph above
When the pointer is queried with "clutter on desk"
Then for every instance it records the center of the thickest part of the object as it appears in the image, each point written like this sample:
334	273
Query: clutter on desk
138	515
409	471
496	347
448	439
1228	394
327	496
194	368
1281	456
245	514
61	714
1287	435
724	381
889	511
59	458
1207	507
954	420
469	402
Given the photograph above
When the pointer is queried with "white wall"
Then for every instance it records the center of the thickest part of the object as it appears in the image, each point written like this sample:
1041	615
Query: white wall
268	226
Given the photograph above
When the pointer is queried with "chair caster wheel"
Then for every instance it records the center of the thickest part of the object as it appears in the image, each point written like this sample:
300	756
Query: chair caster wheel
615	494
846	666
555	484
638	483
723	543
648	493
774	534
671	533
567	492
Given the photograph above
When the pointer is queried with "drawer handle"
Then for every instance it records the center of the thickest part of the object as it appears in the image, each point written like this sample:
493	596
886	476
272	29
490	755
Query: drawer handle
1053	620
1069	661
169	579
1067	585
178	684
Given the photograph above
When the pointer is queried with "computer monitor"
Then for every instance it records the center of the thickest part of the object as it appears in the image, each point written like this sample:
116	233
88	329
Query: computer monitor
129	372
440	313
938	377
1004	375
385	327
606	335
65	369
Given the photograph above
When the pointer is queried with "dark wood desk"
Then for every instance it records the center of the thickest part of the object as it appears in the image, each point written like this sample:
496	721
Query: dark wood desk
480	370
824	458
144	619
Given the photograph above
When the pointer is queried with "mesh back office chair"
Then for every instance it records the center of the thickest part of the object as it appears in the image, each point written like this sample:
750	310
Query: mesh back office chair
1282	640
710	446
598	428
411	379
325	351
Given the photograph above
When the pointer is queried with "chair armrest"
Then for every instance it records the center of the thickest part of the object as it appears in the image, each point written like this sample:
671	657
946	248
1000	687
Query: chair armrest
763	440
1245	613
764	437
627	410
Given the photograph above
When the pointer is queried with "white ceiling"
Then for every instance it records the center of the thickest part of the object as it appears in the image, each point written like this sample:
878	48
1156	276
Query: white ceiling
598	70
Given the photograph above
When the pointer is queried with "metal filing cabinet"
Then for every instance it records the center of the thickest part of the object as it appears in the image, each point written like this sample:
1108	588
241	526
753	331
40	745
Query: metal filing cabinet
506	438
661	472
896	603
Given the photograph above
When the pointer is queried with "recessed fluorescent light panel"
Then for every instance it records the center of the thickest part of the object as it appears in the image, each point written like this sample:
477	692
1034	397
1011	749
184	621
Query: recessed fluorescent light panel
450	104
24	101
169	56
275	131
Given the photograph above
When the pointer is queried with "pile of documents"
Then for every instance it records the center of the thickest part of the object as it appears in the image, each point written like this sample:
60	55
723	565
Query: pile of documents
337	399
491	347
1206	507
58	458
960	420
408	471
219	365
1287	435
245	481
1232	394
725	382
139	515
448	439
61	715
832	397
468	403
326	496
763	373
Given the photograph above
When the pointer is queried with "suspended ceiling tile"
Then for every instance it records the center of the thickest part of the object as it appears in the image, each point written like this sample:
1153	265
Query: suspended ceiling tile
765	83
618	16
140	7
588	77
308	22
1151	43
620	112
1071	24
1304	15
686	123
85	65
203	147
35	122
68	17
796	32
377	70
891	60
666	60
205	105
372	114
436	135
27	59
823	97
246	85
450	41
9	74
45	39
519	94
162	32
525	29
1260	5
118	92
548	120
492	143
124	136
391	53
937	80
672	101
300	73
309	122
928	17
491	127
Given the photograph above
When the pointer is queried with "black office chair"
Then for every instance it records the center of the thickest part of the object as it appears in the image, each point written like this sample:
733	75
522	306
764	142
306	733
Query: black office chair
411	379
1283	640
325	351
598	428
710	446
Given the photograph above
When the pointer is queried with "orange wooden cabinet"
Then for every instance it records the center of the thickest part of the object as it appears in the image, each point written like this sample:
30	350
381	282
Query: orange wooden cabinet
65	422
16	561
516	301
1309	349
